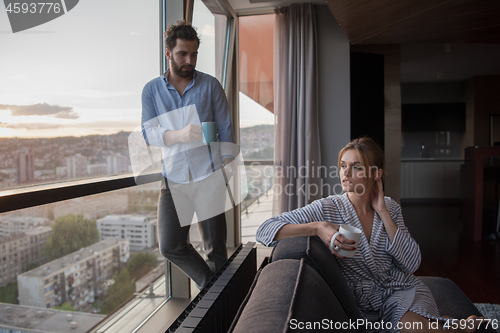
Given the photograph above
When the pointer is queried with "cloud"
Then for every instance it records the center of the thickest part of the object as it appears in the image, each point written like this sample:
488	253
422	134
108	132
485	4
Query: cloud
41	109
105	125
208	30
101	126
30	126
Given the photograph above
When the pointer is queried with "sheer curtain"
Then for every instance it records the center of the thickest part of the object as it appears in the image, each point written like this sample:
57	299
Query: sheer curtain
297	143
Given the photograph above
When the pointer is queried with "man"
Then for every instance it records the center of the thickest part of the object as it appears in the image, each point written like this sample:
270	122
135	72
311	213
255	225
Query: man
173	108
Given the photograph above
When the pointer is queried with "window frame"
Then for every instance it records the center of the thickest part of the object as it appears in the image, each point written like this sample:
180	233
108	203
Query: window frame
36	195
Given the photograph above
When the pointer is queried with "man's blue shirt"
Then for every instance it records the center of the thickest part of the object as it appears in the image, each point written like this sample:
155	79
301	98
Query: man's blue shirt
204	92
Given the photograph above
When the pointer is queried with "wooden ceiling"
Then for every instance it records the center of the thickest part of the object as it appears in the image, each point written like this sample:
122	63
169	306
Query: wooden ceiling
418	21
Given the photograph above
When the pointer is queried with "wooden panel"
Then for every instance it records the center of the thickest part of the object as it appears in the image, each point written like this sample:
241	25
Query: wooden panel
430	21
392	113
367	96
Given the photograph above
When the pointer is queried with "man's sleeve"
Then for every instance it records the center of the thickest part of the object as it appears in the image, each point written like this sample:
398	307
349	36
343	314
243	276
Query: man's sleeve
151	133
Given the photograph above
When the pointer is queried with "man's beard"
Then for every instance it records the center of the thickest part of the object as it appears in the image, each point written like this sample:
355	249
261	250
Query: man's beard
179	72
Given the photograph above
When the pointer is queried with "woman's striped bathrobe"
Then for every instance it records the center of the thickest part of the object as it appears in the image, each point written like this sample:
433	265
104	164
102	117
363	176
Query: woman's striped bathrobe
381	274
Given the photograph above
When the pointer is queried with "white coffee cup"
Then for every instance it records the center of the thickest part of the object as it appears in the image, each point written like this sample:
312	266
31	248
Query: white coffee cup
349	232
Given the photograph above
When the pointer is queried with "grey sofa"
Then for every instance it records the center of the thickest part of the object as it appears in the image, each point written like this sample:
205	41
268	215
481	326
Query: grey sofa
302	289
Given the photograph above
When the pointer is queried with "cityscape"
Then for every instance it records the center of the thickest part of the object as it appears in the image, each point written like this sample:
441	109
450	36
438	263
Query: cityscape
95	276
28	161
77	255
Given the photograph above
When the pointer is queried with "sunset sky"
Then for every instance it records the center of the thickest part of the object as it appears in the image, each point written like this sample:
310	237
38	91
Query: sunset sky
83	72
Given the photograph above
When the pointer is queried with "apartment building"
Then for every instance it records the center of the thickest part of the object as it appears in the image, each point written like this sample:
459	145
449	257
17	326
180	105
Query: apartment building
140	230
18	250
93	207
25	169
28	319
10	225
77	278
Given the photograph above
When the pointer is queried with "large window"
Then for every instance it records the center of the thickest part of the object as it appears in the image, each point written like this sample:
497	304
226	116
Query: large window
70	91
89	254
256	100
212	31
70	94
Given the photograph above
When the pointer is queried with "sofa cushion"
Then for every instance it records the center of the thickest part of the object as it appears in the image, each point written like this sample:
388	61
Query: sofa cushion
289	296
450	300
319	256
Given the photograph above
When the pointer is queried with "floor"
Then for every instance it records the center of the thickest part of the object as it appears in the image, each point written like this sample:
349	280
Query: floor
474	267
252	218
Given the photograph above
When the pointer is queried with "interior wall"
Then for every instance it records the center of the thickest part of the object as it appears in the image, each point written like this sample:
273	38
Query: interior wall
486	99
431	92
468	99
334	94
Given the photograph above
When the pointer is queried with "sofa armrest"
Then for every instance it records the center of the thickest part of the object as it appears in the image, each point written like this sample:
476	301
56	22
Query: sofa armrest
286	296
315	253
451	301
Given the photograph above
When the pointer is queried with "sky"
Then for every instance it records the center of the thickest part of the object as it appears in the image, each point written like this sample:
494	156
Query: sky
83	73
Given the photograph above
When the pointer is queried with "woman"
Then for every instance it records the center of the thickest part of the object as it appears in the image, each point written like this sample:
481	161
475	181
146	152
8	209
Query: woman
380	275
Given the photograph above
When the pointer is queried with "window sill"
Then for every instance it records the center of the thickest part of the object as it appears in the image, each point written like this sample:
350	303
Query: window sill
146	314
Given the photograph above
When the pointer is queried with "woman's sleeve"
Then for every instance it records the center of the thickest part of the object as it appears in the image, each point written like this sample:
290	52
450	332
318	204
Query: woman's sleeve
151	132
404	249
267	230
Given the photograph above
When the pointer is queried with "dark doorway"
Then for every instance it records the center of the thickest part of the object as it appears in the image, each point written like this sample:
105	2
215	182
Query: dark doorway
367	96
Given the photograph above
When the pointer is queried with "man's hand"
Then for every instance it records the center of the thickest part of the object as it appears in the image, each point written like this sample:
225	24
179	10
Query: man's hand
190	133
187	134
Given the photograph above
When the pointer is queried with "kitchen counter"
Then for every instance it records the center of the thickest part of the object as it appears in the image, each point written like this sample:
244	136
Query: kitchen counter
430	178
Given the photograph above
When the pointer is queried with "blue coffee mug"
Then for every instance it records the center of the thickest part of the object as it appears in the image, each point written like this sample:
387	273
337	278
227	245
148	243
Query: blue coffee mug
209	132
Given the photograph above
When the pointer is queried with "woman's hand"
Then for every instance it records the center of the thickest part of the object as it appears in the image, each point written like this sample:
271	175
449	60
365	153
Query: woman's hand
378	202
326	230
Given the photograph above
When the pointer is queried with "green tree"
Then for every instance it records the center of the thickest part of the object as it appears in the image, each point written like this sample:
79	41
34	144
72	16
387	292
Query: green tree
50	215
69	234
31	265
119	292
140	264
8	293
65	306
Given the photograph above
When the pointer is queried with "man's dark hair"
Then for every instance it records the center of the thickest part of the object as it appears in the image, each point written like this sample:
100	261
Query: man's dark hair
180	30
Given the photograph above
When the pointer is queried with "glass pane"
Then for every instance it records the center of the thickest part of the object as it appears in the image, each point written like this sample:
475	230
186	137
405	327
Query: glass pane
257	206
211	29
256	87
70	91
89	254
256	100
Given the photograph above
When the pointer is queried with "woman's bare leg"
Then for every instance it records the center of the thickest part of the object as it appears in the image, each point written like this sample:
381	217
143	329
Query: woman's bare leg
413	322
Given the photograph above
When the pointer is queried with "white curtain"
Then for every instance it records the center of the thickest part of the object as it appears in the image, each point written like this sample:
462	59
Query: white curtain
297	141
